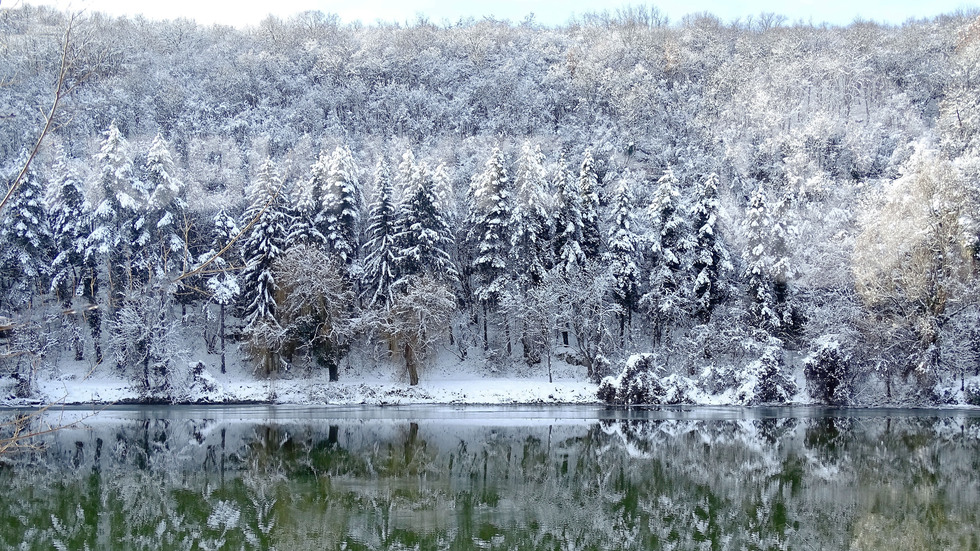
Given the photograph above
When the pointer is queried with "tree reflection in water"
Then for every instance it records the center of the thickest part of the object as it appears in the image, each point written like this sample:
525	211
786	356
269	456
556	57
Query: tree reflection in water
136	481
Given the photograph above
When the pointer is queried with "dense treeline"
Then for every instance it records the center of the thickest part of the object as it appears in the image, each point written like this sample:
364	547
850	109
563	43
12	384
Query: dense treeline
740	200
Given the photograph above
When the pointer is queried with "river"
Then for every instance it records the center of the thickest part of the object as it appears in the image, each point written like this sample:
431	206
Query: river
522	477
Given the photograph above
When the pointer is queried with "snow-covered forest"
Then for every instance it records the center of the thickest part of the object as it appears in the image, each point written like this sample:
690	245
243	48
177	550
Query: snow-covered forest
754	210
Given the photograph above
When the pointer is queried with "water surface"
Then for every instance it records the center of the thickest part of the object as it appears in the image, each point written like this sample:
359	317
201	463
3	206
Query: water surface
437	477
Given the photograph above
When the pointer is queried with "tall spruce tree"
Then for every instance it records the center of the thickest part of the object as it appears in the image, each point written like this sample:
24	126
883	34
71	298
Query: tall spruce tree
115	217
306	205
262	246
567	243
423	240
490	217
380	253
623	254
26	234
341	206
166	209
666	299
762	298
589	188
530	222
711	260
70	225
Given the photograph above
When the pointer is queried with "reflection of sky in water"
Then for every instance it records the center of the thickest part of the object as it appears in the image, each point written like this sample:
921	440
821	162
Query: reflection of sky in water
499	477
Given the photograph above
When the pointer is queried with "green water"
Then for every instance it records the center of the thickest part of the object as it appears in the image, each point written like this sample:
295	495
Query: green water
497	478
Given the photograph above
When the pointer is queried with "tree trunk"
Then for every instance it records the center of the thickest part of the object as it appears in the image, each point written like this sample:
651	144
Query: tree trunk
413	372
221	330
77	341
486	340
550	379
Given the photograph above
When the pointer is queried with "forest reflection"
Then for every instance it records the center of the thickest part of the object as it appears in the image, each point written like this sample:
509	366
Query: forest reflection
832	481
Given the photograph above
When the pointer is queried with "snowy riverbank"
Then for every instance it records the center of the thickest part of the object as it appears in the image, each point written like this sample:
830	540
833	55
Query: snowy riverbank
377	384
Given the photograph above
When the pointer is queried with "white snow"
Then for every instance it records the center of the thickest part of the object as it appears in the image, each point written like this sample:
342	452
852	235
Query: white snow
378	383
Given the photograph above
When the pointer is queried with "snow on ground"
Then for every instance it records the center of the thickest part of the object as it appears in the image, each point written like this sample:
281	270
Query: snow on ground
375	383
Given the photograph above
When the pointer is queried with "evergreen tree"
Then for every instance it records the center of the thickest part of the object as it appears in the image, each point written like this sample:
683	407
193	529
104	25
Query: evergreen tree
490	214
165	209
589	187
490	217
623	255
423	239
711	259
665	298
762	299
567	244
224	228
341	206
308	222
303	211
780	269
406	168
26	234
110	242
262	246
530	222
381	260
70	225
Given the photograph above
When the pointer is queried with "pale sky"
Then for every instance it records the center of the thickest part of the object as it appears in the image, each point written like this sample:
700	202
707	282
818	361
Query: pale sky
548	12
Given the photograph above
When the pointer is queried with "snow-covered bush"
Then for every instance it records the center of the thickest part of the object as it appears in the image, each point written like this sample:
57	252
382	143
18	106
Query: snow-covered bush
678	390
717	379
828	375
642	381
765	381
972	394
638	383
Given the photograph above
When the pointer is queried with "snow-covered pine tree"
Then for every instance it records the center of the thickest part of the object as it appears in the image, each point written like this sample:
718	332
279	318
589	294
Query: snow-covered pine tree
780	229
405	170
589	188
262	246
567	243
166	210
490	217
380	253
341	206
423	240
224	228
308	223
762	299
26	234
530	222
306	202
623	254
711	260
70	225
666	298
110	243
